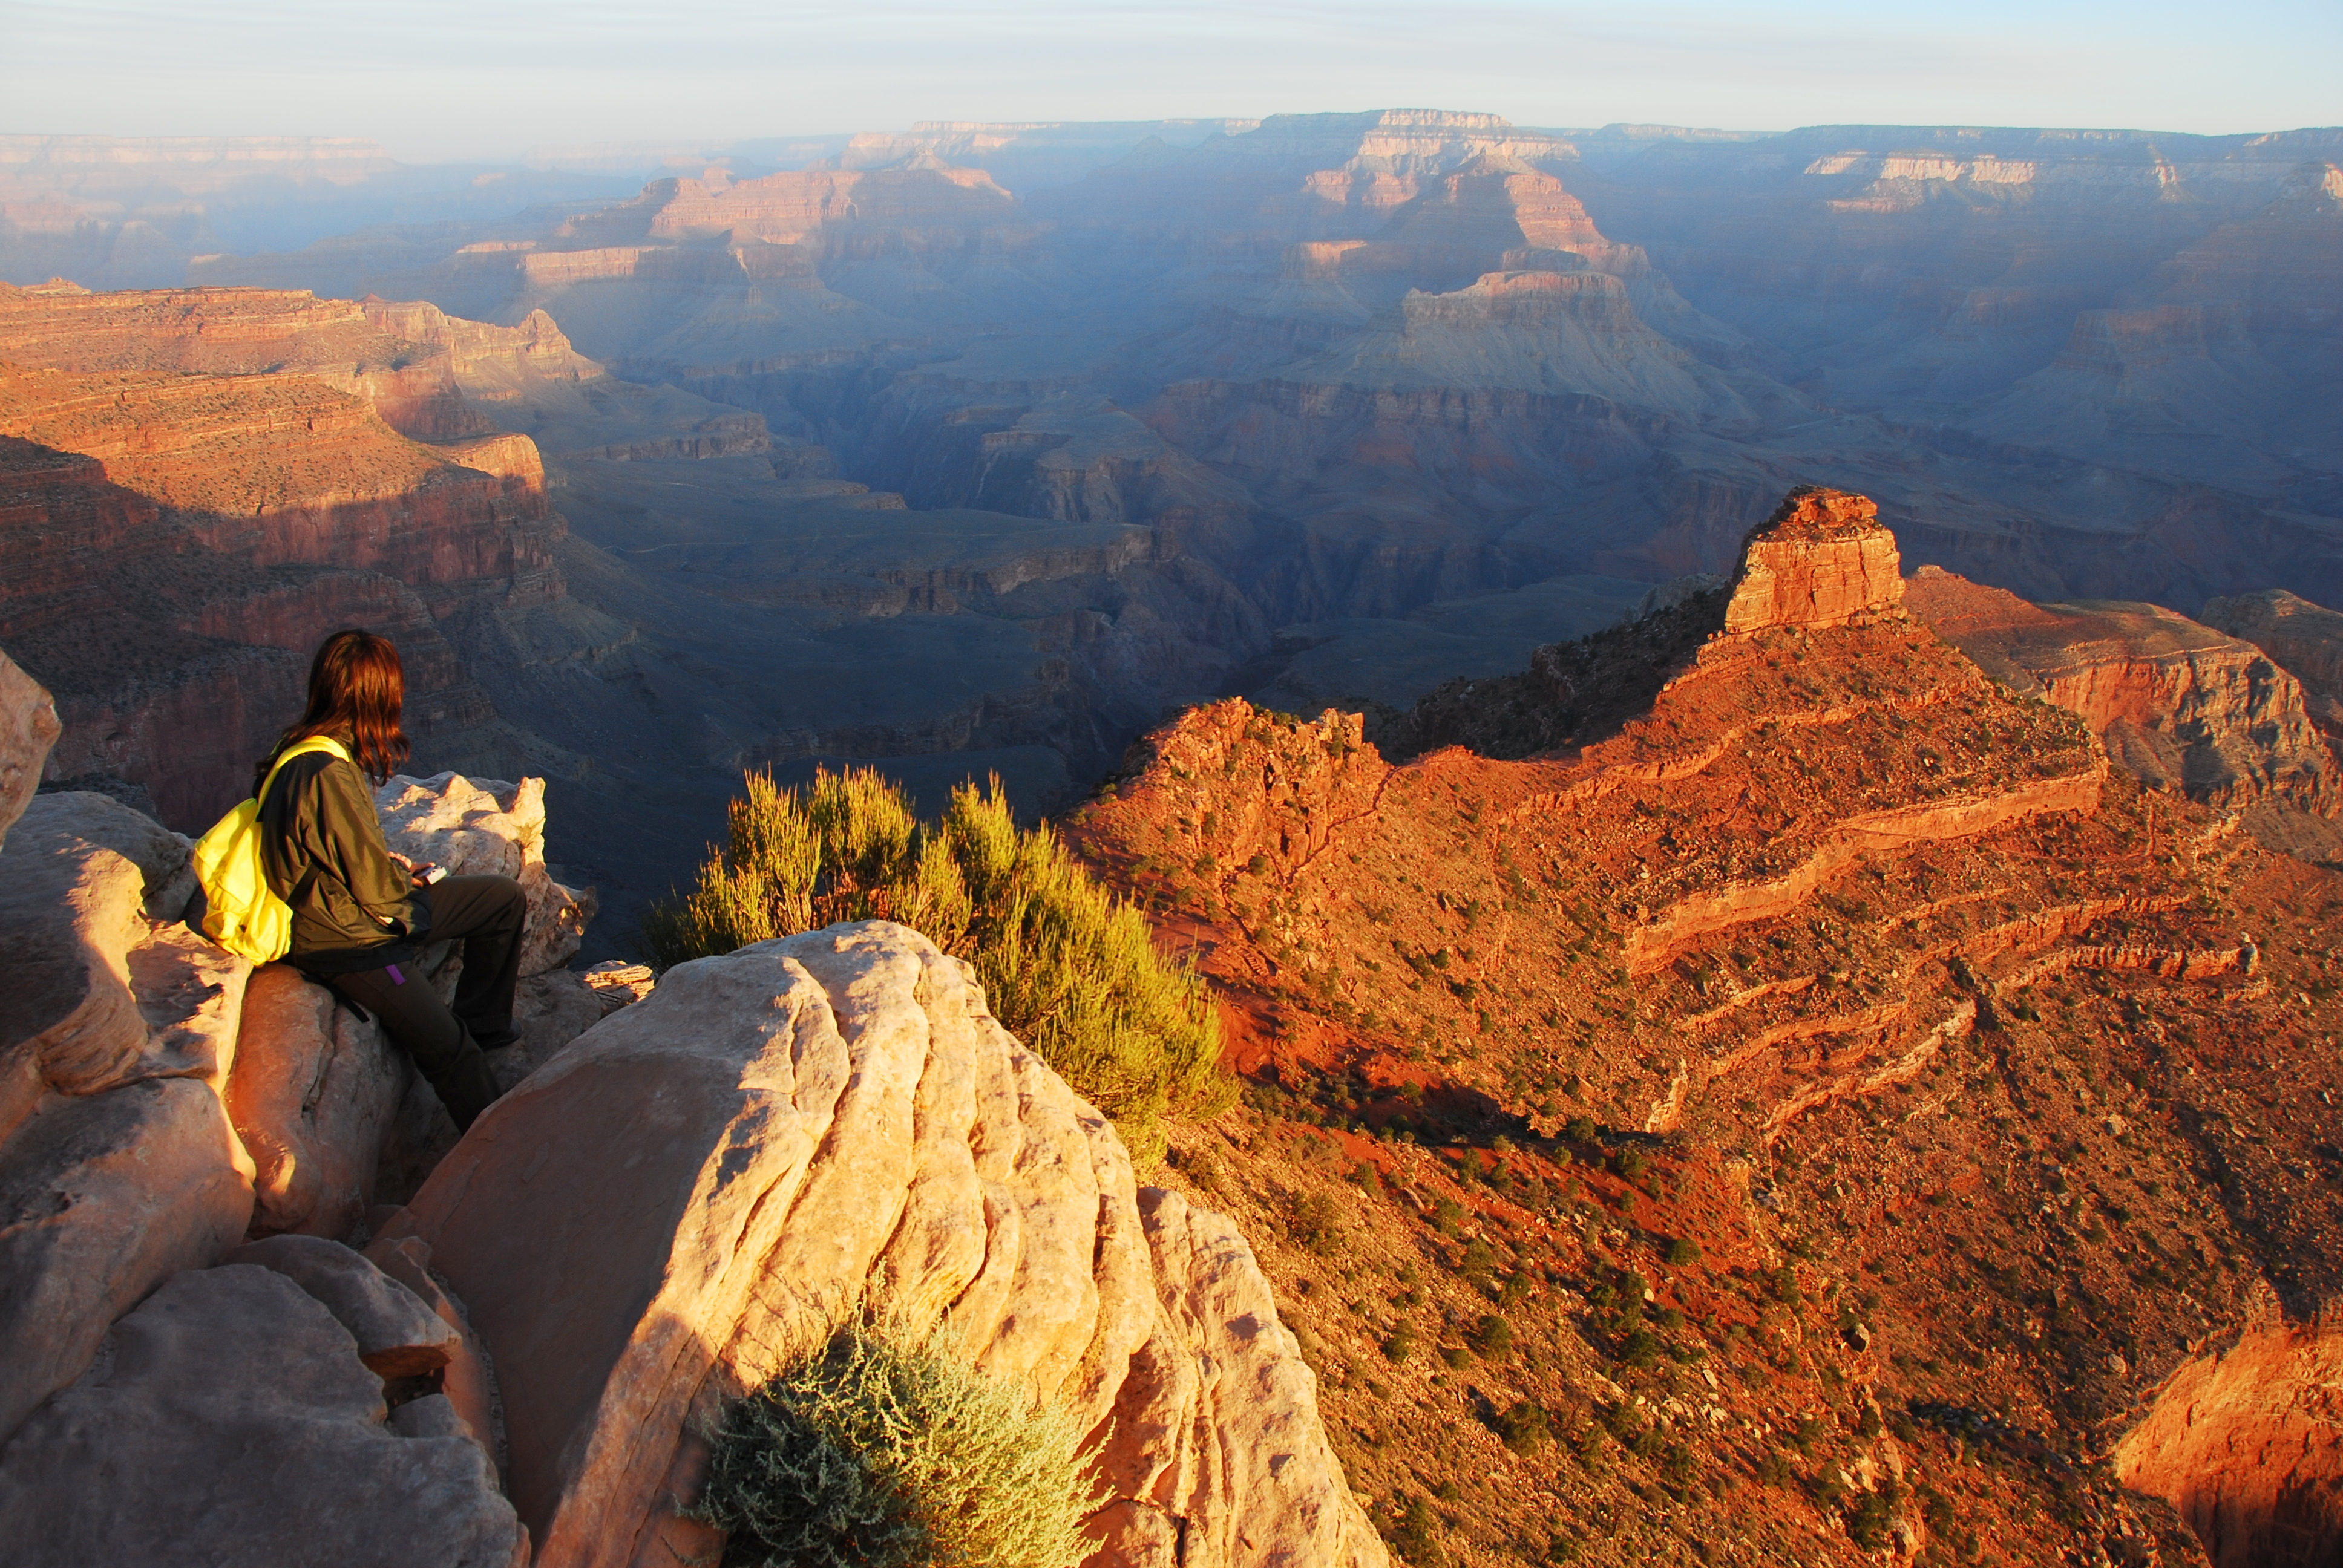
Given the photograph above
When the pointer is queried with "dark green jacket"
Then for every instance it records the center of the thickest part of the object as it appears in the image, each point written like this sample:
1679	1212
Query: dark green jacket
321	844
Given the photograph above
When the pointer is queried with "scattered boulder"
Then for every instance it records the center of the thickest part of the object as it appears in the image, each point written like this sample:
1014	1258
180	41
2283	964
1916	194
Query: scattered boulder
229	1420
488	827
103	990
314	1096
397	1333
165	861
1822	559
618	982
687	1198
102	1198
28	728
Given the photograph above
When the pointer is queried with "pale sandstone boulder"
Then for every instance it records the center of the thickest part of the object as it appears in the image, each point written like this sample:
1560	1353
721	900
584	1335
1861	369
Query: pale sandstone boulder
397	1333
314	1095
104	987
70	912
102	1198
488	827
551	1010
229	1420
165	861
1216	1454
689	1196
28	728
1822	559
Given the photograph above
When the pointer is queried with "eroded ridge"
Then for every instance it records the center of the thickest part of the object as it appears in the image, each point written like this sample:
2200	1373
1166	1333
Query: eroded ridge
1937	1022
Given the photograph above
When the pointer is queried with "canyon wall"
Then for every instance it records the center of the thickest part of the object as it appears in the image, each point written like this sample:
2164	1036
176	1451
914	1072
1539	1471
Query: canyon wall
2179	704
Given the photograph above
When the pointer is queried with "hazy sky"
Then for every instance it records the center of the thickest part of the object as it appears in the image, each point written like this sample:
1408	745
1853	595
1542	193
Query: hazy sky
465	78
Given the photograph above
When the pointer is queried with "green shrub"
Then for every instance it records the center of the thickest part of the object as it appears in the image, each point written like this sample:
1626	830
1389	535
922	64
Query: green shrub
1640	1348
1524	1428
1067	968
885	1450
1870	1521
1317	1222
1683	1252
1415	1536
1399	1345
1492	1338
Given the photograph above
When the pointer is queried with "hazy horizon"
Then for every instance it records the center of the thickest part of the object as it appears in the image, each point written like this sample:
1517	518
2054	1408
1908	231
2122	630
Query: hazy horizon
439	82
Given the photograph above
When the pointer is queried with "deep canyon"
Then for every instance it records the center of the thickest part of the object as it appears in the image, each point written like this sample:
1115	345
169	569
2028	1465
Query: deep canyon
1745	728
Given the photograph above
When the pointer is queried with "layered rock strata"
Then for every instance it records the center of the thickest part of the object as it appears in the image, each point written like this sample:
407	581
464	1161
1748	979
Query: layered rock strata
1835	925
2177	703
1822	559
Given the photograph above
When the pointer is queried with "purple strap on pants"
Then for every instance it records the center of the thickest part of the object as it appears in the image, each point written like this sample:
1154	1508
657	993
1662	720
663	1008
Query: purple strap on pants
396	978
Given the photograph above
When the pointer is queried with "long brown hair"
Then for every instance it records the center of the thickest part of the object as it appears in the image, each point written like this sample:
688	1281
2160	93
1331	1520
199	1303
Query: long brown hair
357	687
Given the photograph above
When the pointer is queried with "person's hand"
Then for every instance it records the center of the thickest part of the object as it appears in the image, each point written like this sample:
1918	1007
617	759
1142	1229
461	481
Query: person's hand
418	872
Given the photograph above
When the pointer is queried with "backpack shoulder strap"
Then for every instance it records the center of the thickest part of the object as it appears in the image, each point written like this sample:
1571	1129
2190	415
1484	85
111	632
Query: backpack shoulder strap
309	748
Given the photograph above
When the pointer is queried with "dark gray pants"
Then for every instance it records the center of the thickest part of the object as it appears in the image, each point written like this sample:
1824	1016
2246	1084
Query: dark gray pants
485	913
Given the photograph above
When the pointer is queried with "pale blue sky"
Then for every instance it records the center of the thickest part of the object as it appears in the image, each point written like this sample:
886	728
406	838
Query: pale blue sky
460	78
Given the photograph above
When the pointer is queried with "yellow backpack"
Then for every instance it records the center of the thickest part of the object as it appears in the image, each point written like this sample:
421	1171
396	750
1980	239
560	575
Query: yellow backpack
246	915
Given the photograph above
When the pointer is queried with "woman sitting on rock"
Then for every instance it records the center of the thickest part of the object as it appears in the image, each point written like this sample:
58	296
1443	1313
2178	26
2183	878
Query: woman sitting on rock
360	911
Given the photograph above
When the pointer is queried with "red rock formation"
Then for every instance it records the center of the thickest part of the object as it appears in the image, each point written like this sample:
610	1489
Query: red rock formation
2302	638
178	542
2177	703
2241	1439
1822	559
1846	938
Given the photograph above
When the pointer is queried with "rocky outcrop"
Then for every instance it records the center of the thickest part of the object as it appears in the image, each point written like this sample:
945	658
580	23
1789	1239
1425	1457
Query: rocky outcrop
315	1096
2302	638
489	827
28	728
1822	559
804	1114
2179	704
117	1164
2241	1441
257	1434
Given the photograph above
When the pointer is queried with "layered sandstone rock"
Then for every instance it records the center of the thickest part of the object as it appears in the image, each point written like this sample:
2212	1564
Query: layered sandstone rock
2179	704
1822	559
2302	638
2242	1442
801	1115
256	1435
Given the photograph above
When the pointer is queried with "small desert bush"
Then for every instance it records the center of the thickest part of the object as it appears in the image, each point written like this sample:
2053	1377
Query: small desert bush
885	1450
1067	968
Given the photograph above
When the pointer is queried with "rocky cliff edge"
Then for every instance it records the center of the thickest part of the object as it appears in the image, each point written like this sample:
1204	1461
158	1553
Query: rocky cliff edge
682	1193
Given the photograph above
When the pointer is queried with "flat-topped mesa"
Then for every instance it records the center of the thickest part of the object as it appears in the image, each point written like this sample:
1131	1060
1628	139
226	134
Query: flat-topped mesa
1822	559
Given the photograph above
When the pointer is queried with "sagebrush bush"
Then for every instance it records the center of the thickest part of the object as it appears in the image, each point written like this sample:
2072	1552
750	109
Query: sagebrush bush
1068	968
886	1450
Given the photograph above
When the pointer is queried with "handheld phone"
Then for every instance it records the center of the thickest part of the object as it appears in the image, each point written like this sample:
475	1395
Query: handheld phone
436	874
